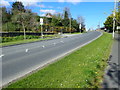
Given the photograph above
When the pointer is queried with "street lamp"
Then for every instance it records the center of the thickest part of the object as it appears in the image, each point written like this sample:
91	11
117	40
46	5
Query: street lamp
114	14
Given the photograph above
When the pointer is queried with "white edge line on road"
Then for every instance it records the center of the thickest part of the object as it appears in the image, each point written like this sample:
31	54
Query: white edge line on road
38	67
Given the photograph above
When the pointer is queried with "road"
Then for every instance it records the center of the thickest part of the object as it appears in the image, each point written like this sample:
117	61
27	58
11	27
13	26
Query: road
22	59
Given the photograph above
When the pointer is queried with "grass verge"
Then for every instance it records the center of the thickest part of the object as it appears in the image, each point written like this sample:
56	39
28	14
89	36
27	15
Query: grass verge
47	37
83	68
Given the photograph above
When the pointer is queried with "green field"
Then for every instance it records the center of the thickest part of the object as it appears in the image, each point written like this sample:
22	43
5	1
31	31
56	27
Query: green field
83	68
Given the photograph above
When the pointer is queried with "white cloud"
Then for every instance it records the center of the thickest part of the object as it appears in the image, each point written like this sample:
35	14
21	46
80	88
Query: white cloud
4	3
48	11
42	14
76	1
27	2
42	6
72	1
49	7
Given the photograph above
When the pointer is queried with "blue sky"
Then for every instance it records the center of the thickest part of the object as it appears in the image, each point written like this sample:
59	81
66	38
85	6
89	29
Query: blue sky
93	12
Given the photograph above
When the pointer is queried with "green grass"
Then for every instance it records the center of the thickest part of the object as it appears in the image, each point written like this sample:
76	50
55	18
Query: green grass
21	41
83	68
46	37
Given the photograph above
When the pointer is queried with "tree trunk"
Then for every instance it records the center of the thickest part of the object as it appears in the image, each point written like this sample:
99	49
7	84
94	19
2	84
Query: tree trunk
24	30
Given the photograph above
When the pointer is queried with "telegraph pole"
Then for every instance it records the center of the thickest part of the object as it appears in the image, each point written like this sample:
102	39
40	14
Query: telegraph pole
114	14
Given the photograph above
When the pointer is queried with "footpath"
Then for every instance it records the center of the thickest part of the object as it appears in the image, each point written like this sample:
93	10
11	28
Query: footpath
112	73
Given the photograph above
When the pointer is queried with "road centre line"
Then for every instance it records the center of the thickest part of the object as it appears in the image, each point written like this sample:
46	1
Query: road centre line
1	55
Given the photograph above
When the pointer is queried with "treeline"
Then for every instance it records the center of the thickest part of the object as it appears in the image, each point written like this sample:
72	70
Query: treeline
19	19
109	21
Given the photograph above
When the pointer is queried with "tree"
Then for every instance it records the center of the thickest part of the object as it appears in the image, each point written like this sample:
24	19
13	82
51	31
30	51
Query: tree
81	21
109	23
17	6
75	24
24	17
66	17
57	20
118	15
6	16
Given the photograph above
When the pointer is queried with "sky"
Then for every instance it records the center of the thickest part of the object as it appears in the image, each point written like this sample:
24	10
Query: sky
93	12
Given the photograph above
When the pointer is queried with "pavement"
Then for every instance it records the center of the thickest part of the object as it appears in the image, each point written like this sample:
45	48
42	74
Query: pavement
112	73
19	60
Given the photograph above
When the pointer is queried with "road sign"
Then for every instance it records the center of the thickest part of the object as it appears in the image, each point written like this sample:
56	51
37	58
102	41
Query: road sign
41	21
118	27
80	26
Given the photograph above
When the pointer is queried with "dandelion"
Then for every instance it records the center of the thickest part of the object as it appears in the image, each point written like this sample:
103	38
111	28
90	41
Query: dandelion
96	72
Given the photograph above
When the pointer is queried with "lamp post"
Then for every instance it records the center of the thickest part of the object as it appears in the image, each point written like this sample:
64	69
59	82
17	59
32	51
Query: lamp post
70	25
114	14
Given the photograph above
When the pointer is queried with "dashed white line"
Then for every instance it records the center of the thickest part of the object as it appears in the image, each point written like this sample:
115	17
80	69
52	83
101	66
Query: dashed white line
26	50
43	46
54	43
61	41
1	55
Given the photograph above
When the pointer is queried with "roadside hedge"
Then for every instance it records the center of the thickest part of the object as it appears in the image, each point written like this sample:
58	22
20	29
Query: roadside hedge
21	37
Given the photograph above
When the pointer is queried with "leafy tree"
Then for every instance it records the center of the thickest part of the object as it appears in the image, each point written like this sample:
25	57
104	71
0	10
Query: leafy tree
66	17
5	15
118	15
56	20
17	6
24	17
109	23
75	24
81	21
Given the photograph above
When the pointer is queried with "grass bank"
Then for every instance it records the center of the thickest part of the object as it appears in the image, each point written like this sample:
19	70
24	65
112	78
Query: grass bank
83	68
28	40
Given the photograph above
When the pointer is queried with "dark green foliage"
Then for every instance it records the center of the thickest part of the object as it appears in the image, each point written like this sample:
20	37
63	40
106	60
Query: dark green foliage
6	16
21	37
17	6
20	19
109	23
66	17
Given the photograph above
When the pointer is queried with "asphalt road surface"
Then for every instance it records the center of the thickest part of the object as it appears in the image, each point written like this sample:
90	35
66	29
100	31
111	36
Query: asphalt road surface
22	59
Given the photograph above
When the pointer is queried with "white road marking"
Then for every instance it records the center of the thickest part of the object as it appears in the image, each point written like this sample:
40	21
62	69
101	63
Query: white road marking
54	43
1	55
26	50
43	46
61	41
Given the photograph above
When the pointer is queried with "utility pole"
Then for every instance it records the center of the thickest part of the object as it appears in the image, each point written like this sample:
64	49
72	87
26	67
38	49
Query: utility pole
70	24
114	14
41	23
